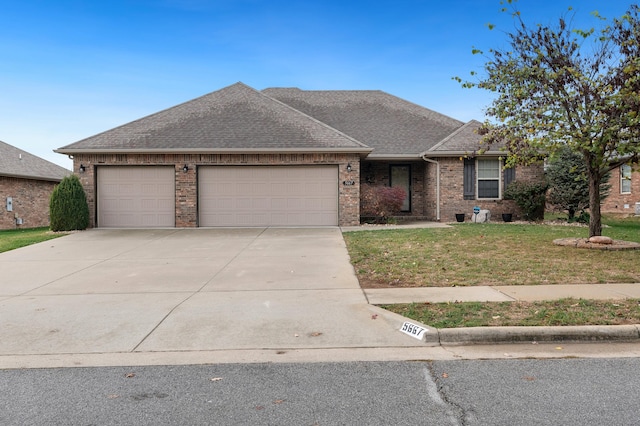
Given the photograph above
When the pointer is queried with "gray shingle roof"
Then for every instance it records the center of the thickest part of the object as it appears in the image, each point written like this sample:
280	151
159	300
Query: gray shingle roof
235	118
464	140
390	125
15	162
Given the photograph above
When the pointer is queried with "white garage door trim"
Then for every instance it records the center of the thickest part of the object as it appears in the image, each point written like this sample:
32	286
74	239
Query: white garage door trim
267	196
135	196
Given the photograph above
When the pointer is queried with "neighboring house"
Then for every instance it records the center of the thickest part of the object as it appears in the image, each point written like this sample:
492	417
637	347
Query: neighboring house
26	183
624	196
241	157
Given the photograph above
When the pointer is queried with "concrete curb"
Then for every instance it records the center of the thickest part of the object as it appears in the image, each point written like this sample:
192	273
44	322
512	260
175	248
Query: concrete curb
587	333
517	334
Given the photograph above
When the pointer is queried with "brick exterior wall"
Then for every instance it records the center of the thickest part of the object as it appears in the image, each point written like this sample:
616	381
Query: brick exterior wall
616	202
451	191
424	188
186	183
30	202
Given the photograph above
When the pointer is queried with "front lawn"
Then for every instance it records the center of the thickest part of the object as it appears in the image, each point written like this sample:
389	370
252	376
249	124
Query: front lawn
490	254
15	238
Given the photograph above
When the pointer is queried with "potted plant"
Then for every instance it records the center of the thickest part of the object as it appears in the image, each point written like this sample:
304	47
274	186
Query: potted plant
460	217
507	217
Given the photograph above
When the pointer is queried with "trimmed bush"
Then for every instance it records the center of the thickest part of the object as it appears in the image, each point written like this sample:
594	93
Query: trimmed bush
530	197
381	202
68	208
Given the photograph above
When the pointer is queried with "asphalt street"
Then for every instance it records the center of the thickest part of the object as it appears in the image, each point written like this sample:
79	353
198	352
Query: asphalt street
478	392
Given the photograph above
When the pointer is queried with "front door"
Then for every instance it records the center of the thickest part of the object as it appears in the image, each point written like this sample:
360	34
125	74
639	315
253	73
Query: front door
401	177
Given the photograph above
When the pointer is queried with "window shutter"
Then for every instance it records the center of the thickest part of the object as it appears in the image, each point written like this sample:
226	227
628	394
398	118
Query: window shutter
509	176
469	179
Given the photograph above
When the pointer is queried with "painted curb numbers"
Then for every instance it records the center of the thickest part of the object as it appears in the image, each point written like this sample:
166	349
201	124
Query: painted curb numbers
413	330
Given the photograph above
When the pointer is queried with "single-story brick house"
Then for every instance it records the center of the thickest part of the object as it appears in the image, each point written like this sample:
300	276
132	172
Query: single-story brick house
624	196
286	157
26	183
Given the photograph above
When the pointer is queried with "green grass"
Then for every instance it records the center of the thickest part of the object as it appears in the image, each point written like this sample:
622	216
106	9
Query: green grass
548	313
490	254
16	238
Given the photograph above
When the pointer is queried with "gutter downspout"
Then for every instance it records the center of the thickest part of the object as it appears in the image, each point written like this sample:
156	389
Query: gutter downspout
428	160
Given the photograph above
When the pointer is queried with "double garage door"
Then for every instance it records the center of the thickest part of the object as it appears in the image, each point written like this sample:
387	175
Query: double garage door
144	197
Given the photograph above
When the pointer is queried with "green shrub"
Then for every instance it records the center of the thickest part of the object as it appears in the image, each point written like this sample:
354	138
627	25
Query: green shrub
569	184
68	208
584	217
530	197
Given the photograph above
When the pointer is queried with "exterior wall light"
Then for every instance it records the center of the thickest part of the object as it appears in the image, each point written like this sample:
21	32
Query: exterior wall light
349	167
185	169
82	168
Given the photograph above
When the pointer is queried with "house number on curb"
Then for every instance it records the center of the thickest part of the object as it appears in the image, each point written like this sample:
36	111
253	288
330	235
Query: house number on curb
349	182
413	330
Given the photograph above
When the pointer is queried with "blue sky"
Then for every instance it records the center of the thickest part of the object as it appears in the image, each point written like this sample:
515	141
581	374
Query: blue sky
71	69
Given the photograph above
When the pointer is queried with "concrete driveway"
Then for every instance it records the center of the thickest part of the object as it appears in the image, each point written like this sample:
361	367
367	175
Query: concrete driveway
187	290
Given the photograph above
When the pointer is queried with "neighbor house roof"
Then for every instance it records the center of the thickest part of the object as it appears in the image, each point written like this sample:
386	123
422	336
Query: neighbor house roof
17	163
237	118
392	126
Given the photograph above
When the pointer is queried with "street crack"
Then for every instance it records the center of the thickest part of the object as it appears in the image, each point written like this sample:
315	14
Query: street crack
456	414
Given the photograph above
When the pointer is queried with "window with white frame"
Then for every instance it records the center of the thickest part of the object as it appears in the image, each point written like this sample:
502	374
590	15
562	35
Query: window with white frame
625	179
488	177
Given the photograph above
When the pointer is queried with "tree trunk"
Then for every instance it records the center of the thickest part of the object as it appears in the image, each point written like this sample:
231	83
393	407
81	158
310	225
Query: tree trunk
595	219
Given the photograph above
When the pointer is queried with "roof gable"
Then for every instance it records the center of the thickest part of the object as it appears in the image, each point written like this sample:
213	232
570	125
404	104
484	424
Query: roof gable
390	125
235	118
466	139
15	162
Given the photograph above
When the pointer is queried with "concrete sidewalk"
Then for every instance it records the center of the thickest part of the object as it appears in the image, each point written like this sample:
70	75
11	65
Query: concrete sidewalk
528	293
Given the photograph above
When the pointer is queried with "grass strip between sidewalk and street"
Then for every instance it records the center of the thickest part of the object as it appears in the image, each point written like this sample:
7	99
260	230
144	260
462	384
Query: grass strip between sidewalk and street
15	238
546	313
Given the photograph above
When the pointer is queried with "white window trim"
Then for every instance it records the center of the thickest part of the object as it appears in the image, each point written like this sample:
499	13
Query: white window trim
622	178
500	179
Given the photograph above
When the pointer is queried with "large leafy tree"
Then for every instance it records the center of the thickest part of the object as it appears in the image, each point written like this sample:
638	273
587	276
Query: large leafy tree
558	86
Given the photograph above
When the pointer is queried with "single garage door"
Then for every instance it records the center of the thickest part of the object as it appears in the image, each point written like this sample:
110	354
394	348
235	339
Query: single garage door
268	195
136	197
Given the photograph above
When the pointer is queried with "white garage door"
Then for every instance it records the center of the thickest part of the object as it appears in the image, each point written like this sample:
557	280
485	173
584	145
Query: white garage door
136	197
268	195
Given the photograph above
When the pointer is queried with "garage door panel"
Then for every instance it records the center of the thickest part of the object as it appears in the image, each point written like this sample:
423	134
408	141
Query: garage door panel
132	196
268	195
